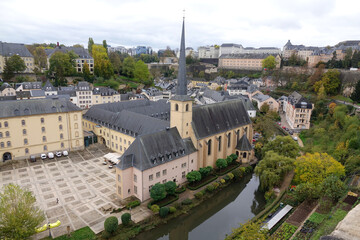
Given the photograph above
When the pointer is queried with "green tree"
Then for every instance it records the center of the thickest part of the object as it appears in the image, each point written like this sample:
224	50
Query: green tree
193	176
61	65
221	163
333	187
331	82
147	58
142	73
158	192
115	62
347	58
102	64
19	215
307	191
128	67
125	219
314	168
90	45
86	71
273	168
205	171
284	146
13	64
355	96
269	62
352	164
105	45
321	93
355	59
168	52
265	108
170	187
164	211
40	57
249	231
111	224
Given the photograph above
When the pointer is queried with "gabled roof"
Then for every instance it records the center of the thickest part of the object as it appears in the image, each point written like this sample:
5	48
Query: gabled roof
80	51
154	149
35	106
261	97
10	49
4	85
83	86
299	101
104	91
49	87
243	144
37	93
208	120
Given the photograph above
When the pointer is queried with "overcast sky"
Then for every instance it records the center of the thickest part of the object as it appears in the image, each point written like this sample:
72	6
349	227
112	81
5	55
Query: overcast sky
157	23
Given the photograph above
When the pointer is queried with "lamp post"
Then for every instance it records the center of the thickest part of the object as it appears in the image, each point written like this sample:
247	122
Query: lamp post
49	230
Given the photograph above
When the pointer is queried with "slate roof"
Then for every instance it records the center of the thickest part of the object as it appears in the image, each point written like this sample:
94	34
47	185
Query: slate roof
10	49
151	150
231	45
104	91
252	88
35	106
243	144
83	86
247	56
4	85
7	98
299	101
211	119
67	88
261	97
23	94
70	93
127	122
31	85
49	87
37	93
81	52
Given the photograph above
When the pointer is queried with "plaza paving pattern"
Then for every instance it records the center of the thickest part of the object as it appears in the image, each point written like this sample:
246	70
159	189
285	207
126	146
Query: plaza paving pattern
83	185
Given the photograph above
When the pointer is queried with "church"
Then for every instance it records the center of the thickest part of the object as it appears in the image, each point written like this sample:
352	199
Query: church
166	140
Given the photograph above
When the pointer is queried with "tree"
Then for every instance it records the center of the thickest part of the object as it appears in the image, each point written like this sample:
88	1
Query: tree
221	163
314	168
333	187
347	58
273	168
86	71
40	57
284	146
14	64
19	215
229	160
355	96
111	224
105	45
265	108
158	192
164	211
168	52
90	45
321	93
269	62
125	219
115	62
102	64
205	171
141	72
307	191
249	231
317	75
147	58
61	65
128	67
170	187
352	164
193	176
355	59
331	82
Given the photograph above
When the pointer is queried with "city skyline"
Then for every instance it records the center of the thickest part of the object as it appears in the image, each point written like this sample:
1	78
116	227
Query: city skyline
157	24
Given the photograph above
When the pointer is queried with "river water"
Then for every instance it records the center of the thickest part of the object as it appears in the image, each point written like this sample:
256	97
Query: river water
215	217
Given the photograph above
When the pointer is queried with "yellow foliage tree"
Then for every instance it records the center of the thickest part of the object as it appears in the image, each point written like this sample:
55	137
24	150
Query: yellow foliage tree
332	107
314	168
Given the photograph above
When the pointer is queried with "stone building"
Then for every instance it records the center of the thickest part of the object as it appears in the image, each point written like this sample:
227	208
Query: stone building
247	61
9	49
298	111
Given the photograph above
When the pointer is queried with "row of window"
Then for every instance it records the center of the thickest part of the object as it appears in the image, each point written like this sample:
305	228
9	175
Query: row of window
6	124
209	143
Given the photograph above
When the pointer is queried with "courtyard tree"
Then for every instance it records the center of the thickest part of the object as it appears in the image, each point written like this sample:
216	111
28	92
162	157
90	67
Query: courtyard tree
19	215
13	64
193	176
158	192
170	187
125	219
284	146
314	168
221	163
111	224
269	62
205	171
273	168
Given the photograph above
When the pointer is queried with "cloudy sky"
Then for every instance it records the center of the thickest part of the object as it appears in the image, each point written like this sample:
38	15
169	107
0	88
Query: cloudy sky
157	23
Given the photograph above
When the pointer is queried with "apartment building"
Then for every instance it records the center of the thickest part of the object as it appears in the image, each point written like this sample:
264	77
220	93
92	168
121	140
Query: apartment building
84	95
245	61
102	95
209	51
31	127
9	49
298	111
261	99
7	90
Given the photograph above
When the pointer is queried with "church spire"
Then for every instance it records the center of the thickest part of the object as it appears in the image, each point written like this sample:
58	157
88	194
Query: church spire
182	82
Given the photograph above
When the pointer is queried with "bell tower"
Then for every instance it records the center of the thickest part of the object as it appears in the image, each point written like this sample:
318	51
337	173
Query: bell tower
181	103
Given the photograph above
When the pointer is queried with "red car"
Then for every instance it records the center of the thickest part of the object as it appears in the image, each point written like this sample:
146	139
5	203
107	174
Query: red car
283	127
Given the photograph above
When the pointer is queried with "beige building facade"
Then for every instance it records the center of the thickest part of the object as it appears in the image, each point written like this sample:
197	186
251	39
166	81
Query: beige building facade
298	111
262	99
31	127
245	61
9	49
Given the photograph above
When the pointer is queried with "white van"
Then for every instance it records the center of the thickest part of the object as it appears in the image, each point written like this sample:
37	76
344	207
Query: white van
50	155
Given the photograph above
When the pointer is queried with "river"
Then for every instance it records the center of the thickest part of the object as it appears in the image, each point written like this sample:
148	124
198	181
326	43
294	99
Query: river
215	217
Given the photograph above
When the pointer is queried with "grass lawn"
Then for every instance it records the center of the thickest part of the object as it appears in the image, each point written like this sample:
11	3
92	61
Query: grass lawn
82	233
342	98
329	224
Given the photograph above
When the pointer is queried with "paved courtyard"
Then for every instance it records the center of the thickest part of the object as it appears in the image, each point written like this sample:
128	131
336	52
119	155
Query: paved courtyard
84	187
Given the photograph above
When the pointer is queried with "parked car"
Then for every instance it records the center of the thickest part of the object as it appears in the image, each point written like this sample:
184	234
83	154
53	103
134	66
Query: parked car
50	155
110	166
65	153
43	156
105	162
295	138
58	154
283	127
33	158
291	132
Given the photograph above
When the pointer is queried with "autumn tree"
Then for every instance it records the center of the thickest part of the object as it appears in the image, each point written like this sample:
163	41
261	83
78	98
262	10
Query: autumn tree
273	168
13	64
317	75
40	57
102	64
269	62
128	67
19	215
86	71
314	168
115	62
249	231
331	82
168	52
284	146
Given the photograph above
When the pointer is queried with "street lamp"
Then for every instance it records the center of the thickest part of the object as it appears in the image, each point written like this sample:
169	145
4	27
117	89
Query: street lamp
49	230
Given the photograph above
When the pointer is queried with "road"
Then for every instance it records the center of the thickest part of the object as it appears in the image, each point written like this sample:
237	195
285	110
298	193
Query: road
347	103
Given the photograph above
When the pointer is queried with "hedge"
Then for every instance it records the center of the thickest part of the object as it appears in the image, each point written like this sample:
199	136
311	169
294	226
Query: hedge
186	202
228	170
133	204
180	190
165	203
202	184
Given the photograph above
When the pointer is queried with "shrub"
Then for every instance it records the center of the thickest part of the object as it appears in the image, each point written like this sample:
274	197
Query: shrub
221	163
105	235
248	169
186	202
230	175
111	224
269	195
155	208
125	218
172	209
177	205
227	178
203	191
210	188
180	190
237	173
164	211
158	192
222	181
229	160
216	185
233	156
193	176
133	204
199	195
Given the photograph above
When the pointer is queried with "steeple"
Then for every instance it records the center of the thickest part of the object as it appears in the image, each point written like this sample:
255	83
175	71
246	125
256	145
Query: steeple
182	83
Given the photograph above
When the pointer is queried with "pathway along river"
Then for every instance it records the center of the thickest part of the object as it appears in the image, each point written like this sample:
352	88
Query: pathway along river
215	217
